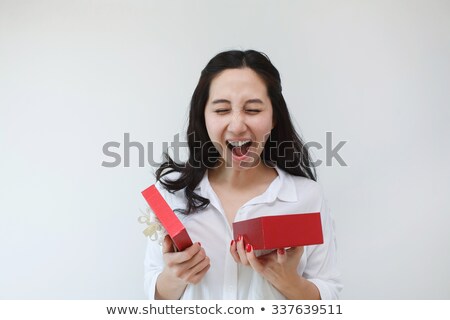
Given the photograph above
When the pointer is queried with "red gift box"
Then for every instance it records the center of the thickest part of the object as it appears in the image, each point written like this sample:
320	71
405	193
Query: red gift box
167	217
273	232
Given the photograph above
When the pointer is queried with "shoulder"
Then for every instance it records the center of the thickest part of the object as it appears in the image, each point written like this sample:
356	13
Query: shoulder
305	186
307	193
299	187
311	198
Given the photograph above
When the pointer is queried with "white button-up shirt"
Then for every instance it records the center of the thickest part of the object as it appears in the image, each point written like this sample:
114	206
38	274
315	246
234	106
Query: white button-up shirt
227	279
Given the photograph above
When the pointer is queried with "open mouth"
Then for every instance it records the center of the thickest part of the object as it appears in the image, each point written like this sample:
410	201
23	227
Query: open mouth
239	148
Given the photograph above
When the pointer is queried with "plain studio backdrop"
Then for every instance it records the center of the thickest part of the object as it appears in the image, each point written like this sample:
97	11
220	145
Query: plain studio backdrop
75	75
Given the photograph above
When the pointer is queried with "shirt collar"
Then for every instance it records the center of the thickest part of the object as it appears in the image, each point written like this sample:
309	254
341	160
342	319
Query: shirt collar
287	190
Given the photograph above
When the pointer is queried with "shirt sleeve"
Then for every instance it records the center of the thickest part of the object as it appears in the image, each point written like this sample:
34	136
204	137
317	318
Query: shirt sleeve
153	262
321	267
153	266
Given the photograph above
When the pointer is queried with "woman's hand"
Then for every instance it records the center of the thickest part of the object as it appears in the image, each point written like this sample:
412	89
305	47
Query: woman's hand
181	269
278	267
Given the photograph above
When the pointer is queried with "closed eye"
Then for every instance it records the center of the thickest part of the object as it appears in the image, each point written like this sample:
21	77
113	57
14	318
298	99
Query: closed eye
254	111
221	111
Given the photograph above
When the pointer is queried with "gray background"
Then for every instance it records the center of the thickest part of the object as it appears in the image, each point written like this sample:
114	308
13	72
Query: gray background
77	74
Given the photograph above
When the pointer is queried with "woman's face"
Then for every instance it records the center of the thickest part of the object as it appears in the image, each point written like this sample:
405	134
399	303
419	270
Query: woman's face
239	117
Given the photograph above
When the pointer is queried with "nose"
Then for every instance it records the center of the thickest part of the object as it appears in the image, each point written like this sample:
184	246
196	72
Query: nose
237	124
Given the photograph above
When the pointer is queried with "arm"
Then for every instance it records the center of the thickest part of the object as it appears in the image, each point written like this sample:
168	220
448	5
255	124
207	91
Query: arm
321	268
167	273
300	289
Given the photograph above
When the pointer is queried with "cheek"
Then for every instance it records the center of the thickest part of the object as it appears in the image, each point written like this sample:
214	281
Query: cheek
264	126
208	124
214	134
212	127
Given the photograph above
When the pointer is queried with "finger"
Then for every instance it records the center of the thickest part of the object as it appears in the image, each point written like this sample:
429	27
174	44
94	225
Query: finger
194	260
167	245
253	260
241	251
281	256
199	276
189	252
187	274
295	251
233	251
199	267
183	256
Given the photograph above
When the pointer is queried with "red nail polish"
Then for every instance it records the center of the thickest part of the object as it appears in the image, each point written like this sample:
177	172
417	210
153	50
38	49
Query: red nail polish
249	248
232	242
281	251
199	244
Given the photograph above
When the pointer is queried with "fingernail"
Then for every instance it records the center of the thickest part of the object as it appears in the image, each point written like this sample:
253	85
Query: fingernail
239	238
199	244
232	242
281	251
249	248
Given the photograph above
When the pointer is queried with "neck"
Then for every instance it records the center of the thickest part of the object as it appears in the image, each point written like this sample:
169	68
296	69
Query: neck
241	178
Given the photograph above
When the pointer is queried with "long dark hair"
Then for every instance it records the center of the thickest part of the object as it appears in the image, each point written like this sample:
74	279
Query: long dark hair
284	148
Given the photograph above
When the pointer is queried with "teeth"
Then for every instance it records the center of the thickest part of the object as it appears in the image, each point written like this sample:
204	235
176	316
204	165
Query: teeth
238	143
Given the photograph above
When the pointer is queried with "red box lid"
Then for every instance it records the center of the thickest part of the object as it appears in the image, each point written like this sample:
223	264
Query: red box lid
282	231
169	220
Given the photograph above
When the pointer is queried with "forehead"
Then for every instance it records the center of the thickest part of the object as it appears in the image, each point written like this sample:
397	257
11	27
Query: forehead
233	81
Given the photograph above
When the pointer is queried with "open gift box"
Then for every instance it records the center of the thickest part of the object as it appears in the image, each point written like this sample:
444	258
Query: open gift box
167	217
267	232
281	231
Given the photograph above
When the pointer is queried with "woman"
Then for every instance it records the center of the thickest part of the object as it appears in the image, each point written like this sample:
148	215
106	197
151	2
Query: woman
245	161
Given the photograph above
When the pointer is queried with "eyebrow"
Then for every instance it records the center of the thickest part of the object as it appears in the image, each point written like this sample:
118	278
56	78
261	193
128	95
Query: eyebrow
217	101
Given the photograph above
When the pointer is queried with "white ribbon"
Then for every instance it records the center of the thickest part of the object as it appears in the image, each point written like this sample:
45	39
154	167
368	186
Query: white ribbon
155	231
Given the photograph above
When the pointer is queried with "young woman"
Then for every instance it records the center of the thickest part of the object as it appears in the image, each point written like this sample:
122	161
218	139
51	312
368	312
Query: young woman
245	161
